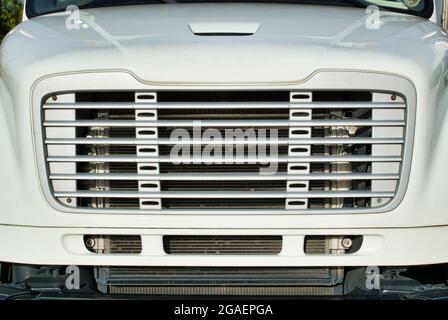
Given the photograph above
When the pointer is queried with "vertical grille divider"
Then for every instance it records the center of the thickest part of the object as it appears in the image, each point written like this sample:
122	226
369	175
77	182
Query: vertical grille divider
145	150
301	150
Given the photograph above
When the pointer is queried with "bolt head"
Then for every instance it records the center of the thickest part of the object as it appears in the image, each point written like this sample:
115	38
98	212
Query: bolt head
90	243
347	243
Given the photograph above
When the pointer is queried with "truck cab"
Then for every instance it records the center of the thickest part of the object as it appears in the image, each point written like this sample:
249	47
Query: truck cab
292	148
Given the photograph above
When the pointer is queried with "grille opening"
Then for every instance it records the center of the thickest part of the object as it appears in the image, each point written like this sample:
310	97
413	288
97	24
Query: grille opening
223	96
106	149
112	185
105	96
345	185
355	149
342	96
223	185
340	132
105	132
223	114
165	132
328	167
229	203
105	114
216	168
113	244
221	151
223	245
321	114
112	167
327	203
109	203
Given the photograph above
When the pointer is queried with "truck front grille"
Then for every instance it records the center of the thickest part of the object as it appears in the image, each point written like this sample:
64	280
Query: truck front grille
331	150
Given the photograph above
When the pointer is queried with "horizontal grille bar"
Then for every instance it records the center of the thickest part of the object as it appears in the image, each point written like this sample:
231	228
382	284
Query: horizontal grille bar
225	177
224	105
223	123
225	194
237	141
167	159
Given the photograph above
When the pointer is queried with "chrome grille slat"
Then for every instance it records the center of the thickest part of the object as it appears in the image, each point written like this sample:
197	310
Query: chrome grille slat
222	123
224	105
280	141
225	194
224	177
167	159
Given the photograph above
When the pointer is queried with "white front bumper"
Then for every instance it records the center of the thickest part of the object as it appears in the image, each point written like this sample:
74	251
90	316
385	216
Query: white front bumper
381	247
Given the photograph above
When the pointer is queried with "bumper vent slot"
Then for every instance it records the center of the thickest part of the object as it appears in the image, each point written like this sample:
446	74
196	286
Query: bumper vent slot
222	245
113	244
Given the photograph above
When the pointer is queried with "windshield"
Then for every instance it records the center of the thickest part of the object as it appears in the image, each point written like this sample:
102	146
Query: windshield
422	8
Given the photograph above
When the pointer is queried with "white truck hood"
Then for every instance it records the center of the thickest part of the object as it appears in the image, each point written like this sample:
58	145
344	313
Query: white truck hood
156	43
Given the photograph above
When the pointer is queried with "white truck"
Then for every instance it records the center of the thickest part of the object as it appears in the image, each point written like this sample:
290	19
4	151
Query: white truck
213	147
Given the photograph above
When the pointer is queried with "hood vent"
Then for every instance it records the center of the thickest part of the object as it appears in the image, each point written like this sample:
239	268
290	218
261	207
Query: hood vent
221	29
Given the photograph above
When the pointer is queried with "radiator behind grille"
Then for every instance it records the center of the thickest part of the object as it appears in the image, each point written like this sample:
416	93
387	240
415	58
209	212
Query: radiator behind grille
220	281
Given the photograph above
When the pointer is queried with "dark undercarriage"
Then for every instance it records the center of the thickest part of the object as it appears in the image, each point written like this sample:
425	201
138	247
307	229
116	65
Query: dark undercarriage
391	283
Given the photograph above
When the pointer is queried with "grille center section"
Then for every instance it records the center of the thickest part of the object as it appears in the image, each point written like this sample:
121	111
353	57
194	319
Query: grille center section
297	151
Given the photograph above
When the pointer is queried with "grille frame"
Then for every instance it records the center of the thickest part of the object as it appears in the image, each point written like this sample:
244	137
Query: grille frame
347	80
